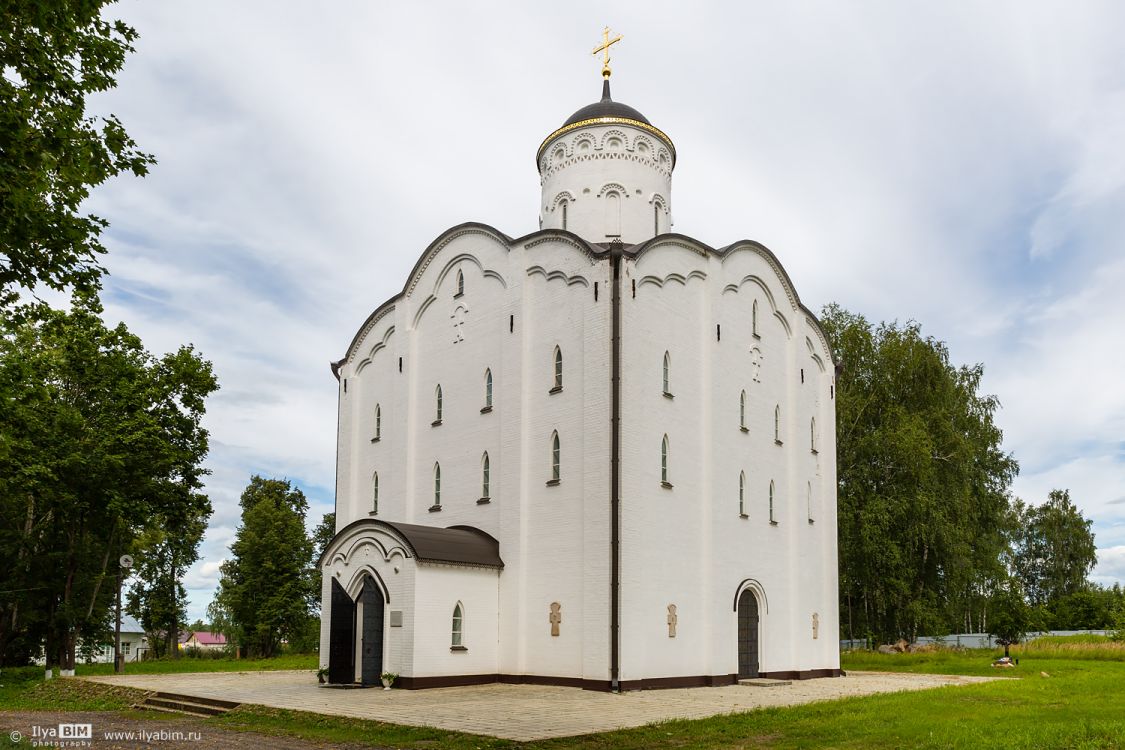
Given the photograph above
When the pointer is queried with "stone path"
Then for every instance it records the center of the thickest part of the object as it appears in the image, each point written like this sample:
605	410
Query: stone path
522	712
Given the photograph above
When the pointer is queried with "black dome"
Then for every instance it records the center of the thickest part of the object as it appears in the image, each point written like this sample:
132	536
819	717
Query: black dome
606	108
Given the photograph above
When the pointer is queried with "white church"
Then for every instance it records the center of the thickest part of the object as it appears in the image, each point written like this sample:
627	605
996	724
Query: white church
599	455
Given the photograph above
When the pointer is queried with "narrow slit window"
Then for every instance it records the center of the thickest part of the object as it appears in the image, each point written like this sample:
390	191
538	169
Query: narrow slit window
754	318
664	460
437	485
485	478
556	456
742	410
460	283
655	219
558	368
375	493
809	500
812	434
488	388
777	423
458	633
564	211
773	519
667	368
742	493
378	422
437	404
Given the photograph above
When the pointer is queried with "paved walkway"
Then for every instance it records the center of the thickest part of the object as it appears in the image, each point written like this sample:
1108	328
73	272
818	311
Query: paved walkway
522	712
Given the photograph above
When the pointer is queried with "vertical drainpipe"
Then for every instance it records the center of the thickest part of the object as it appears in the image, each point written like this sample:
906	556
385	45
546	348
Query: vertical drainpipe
615	254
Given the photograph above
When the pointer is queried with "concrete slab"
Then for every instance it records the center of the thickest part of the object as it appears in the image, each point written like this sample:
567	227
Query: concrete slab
521	712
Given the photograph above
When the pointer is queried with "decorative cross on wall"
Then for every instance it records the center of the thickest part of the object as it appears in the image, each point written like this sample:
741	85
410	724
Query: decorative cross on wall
556	617
458	318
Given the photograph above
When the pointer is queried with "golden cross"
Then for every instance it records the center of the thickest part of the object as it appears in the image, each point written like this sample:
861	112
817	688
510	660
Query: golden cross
604	47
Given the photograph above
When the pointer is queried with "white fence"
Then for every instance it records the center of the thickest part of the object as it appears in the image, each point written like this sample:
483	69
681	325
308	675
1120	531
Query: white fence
970	640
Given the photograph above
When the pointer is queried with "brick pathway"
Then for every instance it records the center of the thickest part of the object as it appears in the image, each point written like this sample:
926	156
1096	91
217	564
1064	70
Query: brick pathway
522	712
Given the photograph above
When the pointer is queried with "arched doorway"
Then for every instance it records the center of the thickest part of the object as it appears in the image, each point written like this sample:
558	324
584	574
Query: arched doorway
370	605
747	634
341	637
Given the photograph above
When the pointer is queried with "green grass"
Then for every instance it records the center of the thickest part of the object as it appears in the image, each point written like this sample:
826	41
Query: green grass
24	689
169	666
1081	704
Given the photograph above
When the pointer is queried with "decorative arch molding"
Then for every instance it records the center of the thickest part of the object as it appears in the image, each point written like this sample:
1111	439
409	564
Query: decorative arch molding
657	199
469	257
463	230
355	584
613	186
548	170
422	310
372	320
349	548
757	281
565	195
625	143
759	591
679	278
556	275
564	237
762	251
784	323
379	346
813	353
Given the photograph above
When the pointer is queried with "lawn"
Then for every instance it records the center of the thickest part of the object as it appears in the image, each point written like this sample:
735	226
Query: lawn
1079	704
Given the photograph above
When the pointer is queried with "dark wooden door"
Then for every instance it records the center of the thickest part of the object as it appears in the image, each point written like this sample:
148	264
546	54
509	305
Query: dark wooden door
747	634
371	599
341	637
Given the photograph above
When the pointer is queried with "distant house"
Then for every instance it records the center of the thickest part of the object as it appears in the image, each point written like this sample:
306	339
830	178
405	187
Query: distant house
134	645
203	640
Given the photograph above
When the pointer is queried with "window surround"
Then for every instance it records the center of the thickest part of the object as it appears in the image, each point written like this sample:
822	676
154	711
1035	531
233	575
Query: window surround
742	495
557	381
457	629
485	480
378	424
374	495
556	460
742	412
436	507
664	449
439	406
487	391
666	375
773	518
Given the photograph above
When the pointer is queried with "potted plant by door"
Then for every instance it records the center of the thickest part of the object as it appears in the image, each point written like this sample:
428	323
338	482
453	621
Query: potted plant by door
322	675
388	679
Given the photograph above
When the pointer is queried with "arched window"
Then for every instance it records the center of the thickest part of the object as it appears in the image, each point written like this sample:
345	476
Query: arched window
457	635
742	411
667	367
812	435
777	424
556	454
375	493
754	318
437	405
563	206
378	422
437	485
656	218
558	367
664	460
773	519
485	479
488	388
742	493
811	516
460	283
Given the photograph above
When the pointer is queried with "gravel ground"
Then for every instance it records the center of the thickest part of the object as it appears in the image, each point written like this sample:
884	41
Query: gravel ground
109	730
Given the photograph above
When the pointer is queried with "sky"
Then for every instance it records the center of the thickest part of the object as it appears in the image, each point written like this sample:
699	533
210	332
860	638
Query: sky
957	164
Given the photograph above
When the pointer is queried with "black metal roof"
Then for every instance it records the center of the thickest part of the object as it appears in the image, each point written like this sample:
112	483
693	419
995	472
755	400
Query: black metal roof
464	545
606	108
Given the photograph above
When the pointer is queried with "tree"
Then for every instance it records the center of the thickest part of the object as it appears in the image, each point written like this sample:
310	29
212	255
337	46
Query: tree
53	54
1054	549
157	597
923	482
100	440
266	592
1011	617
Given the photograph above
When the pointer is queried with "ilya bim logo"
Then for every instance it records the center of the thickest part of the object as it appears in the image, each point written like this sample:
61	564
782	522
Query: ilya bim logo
61	735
